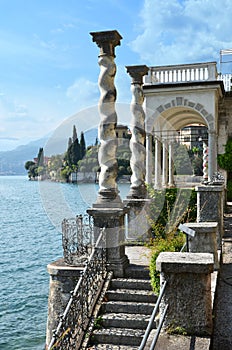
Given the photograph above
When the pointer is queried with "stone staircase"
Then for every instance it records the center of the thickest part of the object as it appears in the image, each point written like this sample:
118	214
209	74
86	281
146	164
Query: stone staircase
125	312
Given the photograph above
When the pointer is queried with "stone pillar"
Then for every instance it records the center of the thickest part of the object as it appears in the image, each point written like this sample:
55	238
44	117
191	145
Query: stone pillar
149	159
212	154
136	202
157	184
205	161
112	219
164	163
63	279
108	210
137	142
108	191
170	166
139	229
210	207
205	239
188	291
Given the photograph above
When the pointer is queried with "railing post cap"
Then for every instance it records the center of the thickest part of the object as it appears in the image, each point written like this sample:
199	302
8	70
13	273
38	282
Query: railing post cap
175	262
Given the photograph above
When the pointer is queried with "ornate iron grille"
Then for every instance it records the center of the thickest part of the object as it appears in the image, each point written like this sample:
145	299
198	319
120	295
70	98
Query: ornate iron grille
75	319
77	239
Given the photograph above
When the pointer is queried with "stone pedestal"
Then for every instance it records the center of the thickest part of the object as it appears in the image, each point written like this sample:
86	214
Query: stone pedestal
188	291
112	220
139	229
205	239
210	207
63	279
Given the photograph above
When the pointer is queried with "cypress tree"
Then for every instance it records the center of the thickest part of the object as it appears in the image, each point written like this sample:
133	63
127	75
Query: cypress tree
40	157
82	146
74	134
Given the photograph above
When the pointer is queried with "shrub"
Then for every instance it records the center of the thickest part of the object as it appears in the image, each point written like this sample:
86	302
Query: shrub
169	208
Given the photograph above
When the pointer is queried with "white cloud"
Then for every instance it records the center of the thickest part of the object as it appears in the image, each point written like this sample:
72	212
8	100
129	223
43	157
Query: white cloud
175	31
83	92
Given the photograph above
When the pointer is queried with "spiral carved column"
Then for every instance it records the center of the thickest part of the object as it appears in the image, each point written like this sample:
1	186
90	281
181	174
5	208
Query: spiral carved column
108	192
205	161
137	142
108	211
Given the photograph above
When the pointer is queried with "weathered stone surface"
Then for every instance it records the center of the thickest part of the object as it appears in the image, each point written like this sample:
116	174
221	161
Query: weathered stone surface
210	207
205	240
174	262
188	291
63	279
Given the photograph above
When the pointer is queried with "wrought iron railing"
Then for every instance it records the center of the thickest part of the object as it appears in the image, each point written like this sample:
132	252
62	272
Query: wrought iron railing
75	319
152	320
77	239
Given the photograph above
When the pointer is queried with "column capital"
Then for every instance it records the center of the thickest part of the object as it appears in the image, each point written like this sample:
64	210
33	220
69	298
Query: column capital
137	73
106	41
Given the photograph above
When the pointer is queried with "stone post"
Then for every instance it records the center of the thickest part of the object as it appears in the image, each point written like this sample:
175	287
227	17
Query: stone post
137	142
149	159
157	184
210	207
205	161
63	279
164	168
136	202
170	166
188	291
108	211
205	239
108	191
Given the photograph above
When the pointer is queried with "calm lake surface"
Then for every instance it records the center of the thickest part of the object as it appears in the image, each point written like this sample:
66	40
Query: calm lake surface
30	233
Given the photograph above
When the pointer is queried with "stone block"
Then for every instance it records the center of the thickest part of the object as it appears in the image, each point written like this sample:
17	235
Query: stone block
188	291
205	240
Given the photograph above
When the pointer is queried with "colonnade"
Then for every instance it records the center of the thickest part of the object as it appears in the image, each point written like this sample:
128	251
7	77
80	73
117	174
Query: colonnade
163	162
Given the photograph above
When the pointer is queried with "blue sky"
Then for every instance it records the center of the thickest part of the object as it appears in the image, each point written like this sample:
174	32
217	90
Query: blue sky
48	62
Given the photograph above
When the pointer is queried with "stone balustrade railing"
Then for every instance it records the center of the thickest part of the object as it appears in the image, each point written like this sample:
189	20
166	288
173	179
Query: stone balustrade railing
181	73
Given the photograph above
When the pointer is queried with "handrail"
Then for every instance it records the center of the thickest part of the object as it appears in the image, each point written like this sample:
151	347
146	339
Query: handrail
154	341
149	326
61	331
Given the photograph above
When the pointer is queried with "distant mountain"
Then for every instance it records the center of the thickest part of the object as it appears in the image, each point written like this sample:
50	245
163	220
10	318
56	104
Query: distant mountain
12	162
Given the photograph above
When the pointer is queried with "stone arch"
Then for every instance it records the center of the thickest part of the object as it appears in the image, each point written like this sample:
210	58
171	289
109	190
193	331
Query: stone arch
184	105
164	115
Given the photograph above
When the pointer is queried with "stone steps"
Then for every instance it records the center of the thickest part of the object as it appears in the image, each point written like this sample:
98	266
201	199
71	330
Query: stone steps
118	336
131	295
127	307
125	312
122	320
112	347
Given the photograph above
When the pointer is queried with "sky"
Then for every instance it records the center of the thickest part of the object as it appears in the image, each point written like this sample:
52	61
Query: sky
49	64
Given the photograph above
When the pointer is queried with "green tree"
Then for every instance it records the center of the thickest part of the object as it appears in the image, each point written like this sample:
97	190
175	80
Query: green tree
82	145
74	137
40	157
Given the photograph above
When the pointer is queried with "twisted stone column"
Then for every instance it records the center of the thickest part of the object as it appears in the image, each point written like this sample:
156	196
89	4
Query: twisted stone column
137	142
205	161
108	192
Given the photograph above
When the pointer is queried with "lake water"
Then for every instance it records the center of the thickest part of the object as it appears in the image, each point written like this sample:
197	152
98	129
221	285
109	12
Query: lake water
31	215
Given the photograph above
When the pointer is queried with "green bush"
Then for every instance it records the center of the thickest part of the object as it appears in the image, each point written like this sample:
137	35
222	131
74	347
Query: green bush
169	208
172	243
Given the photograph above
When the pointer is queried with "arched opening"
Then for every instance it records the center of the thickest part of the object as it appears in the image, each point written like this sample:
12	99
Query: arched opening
178	147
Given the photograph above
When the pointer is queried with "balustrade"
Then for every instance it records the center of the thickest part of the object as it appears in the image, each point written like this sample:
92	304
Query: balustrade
77	239
182	73
75	319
